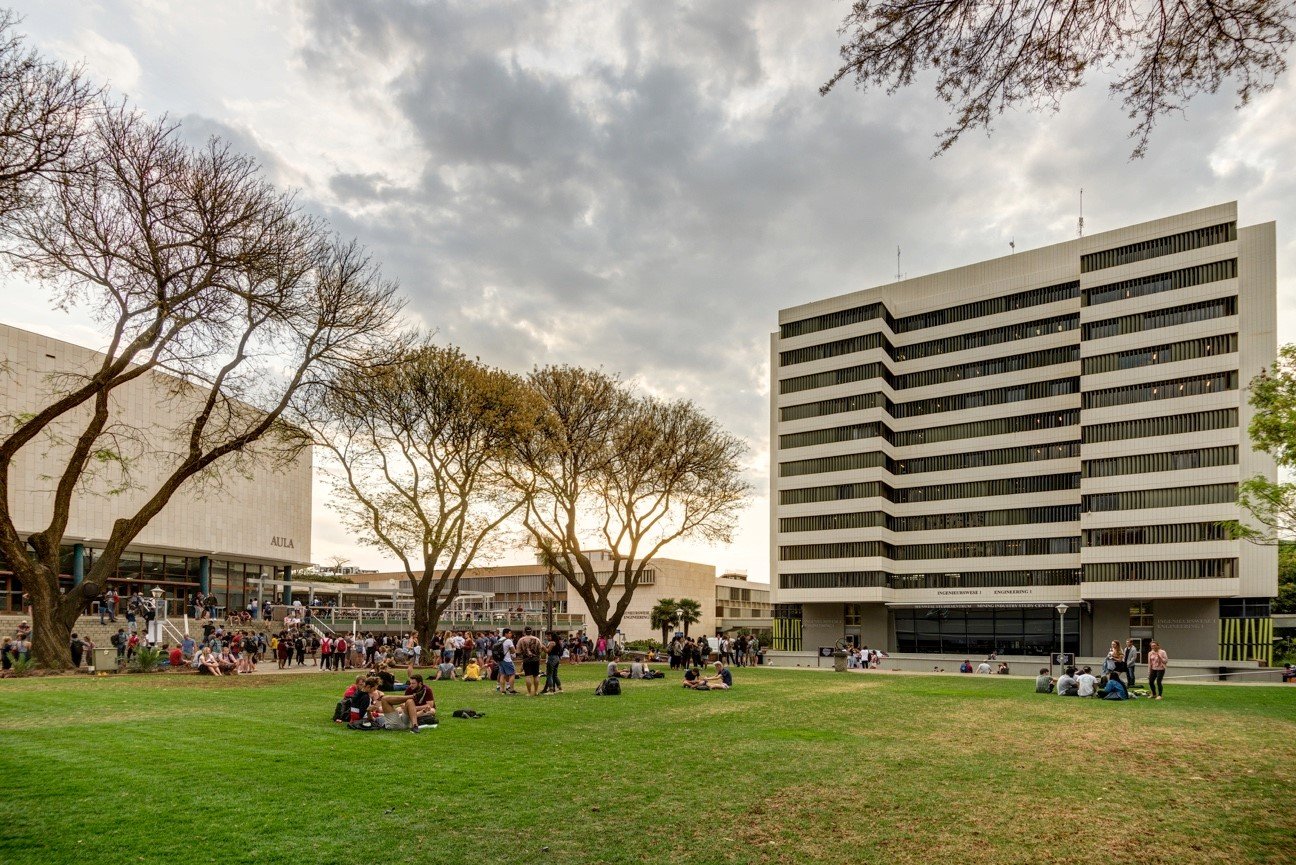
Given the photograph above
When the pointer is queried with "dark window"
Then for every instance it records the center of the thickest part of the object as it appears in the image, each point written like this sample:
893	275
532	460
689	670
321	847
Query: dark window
1150	427
1211	346
935	492
1168	389
1173	497
1193	569
1158	247
1162	462
1172	317
1178	533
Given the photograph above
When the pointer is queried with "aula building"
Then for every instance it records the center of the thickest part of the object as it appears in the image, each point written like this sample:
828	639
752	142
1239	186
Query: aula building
957	457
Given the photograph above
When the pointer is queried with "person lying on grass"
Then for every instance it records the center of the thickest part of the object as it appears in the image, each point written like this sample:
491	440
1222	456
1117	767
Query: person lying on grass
412	709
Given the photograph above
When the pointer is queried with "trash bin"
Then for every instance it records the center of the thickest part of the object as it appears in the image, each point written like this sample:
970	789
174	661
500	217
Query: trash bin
105	660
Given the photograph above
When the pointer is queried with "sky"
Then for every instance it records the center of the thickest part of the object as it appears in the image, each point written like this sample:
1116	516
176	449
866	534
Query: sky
640	187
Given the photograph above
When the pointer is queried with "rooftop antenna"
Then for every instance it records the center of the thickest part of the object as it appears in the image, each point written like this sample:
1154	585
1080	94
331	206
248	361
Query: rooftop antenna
898	274
1012	244
1080	224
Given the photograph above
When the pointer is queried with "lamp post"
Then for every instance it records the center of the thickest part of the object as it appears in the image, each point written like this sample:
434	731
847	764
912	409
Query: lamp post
159	614
1061	610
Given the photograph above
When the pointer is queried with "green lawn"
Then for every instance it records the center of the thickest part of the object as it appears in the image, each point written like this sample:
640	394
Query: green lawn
791	766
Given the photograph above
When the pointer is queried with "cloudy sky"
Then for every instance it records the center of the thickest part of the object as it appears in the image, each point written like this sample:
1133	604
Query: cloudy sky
641	186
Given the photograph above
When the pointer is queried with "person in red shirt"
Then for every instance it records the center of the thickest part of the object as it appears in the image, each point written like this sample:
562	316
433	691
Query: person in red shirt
176	658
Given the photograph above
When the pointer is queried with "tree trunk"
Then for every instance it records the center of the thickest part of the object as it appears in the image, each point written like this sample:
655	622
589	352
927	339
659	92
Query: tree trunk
423	621
51	632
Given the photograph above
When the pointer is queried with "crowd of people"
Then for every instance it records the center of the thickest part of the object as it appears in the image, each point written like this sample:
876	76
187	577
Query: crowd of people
1115	679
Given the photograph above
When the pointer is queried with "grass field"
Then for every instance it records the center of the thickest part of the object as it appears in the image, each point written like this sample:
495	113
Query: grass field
791	766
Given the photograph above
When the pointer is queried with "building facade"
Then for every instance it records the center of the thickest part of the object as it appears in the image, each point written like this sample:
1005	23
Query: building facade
220	537
532	587
958	455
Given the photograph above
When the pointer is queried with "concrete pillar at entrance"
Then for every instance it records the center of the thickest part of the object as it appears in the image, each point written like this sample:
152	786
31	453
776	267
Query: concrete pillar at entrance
78	564
287	584
204	574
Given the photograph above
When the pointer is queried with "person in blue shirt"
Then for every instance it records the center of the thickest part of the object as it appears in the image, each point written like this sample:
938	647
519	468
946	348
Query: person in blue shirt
1115	689
722	680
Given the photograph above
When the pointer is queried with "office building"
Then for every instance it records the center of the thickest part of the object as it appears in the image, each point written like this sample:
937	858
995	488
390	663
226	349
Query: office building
955	457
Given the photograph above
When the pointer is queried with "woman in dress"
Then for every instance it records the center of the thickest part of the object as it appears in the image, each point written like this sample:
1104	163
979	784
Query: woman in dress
1109	662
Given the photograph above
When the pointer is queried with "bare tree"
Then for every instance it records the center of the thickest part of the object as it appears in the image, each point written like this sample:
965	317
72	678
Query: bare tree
419	451
44	112
610	470
991	55
215	292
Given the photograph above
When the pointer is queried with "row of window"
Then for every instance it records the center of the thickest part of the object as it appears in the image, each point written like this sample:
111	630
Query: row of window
932	493
938	463
1179	533
913	552
918	321
929	435
1150	427
1210	346
1172	497
1169	389
966	579
1171	461
1174	316
958	372
933	405
1146	249
930	522
1144	285
931	348
1189	569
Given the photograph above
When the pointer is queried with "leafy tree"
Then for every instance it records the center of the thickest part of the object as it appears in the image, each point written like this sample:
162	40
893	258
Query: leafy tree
1271	504
991	55
688	613
662	617
420	448
216	292
1286	602
607	469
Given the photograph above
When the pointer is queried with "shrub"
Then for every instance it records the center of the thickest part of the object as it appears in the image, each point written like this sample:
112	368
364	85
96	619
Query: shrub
146	660
21	667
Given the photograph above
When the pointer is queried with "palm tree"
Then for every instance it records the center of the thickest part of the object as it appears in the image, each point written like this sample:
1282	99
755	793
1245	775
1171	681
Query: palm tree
688	612
662	616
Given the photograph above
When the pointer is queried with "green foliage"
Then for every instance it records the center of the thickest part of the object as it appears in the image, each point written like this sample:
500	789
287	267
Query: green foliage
1271	504
662	616
643	646
146	660
21	667
689	612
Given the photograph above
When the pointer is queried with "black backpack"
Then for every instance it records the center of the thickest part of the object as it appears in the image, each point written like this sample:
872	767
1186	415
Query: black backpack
497	651
610	687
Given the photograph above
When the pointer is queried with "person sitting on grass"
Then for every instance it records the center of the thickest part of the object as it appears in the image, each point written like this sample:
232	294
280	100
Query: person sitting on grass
472	672
615	672
722	680
1114	689
966	666
695	682
1003	668
1044	682
984	667
414	708
207	663
637	667
1088	684
1068	685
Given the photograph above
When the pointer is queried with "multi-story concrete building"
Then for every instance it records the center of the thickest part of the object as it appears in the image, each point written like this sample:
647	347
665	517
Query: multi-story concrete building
220	538
957	455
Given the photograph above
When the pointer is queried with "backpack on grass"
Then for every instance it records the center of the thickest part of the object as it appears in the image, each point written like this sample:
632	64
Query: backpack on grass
610	687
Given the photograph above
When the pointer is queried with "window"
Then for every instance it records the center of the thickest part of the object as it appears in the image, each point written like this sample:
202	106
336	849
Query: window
1146	249
1179	533
976	309
1168	389
1140	615
786	627
931	522
1245	608
1210	346
959	372
1192	569
934	405
967	632
1144	285
919	465
935	492
1163	462
1174	497
1150	427
1171	317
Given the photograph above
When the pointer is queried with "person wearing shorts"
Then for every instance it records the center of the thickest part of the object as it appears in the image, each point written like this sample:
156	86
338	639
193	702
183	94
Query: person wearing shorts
507	670
530	649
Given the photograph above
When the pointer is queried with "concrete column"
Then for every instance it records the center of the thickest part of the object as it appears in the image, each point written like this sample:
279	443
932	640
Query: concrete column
287	584
78	564
204	574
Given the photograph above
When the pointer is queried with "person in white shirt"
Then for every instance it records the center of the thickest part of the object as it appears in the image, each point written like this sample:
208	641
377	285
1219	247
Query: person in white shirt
1088	683
983	667
1067	684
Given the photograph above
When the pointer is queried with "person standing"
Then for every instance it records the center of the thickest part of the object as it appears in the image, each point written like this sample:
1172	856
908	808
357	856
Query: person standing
553	658
507	670
529	650
1131	659
78	651
1157	662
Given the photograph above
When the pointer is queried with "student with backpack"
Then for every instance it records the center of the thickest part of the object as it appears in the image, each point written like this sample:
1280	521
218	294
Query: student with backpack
502	654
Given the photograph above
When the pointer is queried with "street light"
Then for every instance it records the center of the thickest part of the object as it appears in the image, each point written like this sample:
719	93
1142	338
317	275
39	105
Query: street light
1062	608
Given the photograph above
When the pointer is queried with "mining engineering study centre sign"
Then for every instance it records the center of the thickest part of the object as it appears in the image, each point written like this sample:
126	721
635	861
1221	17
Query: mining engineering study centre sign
1031	596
